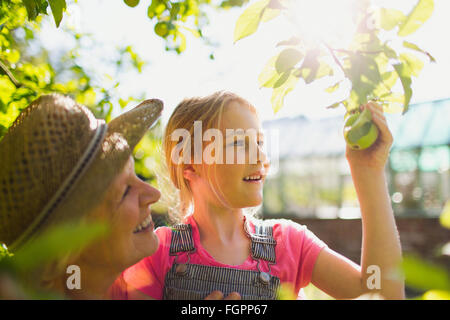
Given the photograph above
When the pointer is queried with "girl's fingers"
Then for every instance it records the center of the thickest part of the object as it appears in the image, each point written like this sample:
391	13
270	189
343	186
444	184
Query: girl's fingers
375	108
218	295
378	117
382	125
215	295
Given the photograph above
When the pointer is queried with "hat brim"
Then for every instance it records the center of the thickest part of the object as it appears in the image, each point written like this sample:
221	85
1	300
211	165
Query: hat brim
123	134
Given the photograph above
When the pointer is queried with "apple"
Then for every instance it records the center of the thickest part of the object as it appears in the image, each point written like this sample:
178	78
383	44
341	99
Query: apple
359	130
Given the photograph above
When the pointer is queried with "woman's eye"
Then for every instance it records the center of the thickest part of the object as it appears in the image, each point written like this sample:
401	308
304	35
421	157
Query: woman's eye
238	143
126	192
260	143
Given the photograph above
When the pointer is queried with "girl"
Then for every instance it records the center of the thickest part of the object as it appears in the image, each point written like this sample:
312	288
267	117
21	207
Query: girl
222	247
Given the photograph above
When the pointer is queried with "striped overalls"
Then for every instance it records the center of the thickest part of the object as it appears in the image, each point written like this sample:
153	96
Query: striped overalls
186	281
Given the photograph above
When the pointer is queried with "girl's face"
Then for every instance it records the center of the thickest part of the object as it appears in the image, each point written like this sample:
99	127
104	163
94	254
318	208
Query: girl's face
238	184
126	210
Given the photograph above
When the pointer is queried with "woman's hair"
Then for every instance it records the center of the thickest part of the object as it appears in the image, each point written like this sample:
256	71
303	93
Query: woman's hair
209	110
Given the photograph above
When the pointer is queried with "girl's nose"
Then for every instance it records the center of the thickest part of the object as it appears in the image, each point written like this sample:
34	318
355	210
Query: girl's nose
262	157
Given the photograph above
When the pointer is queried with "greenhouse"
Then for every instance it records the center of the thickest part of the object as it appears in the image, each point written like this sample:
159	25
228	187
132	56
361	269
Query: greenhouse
311	177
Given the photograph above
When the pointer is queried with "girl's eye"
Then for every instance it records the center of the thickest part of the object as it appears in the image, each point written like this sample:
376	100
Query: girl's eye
260	143
238	143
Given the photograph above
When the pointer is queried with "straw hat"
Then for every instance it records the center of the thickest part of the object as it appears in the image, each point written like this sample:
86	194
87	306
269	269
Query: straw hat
57	160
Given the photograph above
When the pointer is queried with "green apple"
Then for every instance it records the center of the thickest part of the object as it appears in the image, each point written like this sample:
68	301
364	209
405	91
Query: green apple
359	130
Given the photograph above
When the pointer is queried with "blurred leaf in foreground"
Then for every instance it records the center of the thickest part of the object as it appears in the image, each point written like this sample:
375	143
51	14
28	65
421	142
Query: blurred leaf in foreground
424	275
55	243
445	215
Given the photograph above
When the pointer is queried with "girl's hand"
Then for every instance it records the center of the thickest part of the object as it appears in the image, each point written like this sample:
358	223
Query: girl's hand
377	155
218	295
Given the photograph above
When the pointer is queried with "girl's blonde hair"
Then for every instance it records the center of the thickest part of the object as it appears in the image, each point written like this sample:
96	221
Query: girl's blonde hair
209	110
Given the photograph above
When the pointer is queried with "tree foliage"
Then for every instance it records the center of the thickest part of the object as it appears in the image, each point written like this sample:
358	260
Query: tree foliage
370	63
28	70
175	19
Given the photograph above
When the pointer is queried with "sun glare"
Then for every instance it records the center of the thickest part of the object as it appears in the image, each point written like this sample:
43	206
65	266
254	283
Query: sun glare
330	21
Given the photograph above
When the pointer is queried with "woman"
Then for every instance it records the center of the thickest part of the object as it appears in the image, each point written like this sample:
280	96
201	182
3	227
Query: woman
60	164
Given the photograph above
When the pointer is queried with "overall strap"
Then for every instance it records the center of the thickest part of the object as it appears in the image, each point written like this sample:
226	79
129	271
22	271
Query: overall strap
182	240
263	243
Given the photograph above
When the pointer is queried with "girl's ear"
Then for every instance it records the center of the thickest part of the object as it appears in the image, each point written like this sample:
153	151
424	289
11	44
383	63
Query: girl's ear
189	173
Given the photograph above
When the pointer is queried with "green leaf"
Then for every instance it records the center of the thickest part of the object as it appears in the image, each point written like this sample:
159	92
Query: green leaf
194	32
35	7
392	102
162	29
174	10
436	295
293	41
282	79
417	17
279	93
57	6
445	215
390	18
335	105
365	76
4	253
354	100
182	43
324	70
270	78
423	275
269	74
131	3
383	89
412	46
310	66
389	52
405	78
412	62
156	8
333	87
137	62
55	243
287	59
249	20
270	14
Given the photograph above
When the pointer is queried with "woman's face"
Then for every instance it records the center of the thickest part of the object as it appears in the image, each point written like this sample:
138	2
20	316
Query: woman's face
239	184
126	210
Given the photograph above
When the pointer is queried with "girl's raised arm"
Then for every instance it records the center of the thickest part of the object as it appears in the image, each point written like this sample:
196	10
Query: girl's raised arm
381	251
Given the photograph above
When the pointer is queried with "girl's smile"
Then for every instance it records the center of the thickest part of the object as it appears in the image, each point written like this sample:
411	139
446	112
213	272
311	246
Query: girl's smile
255	177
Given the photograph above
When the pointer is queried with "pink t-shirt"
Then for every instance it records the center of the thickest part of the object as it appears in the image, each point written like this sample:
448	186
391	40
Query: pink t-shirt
296	252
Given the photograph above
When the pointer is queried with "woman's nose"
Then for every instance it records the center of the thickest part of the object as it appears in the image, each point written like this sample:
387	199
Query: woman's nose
149	195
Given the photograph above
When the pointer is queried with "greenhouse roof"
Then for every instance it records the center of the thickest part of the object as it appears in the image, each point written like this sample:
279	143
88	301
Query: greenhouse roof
424	125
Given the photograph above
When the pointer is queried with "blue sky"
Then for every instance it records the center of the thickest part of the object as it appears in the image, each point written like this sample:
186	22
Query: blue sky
172	77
